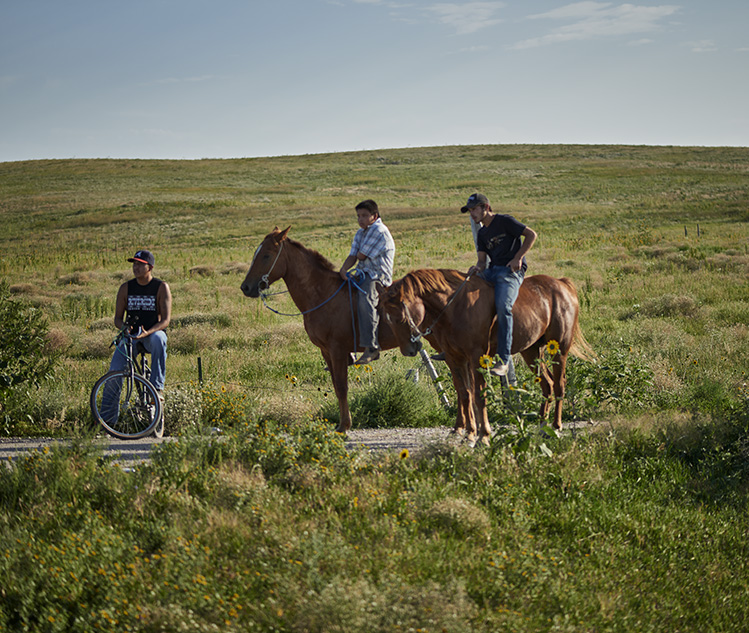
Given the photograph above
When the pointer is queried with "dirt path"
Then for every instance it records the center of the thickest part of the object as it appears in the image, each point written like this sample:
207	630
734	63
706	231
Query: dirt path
134	451
139	450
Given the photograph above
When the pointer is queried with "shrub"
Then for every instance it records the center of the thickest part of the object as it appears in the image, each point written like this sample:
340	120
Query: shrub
620	380
392	401
182	409
25	357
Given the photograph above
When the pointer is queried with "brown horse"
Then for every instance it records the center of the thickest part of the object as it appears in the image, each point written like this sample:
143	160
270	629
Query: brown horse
456	316
316	288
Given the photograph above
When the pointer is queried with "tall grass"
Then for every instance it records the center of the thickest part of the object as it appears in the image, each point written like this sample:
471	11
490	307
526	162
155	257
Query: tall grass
278	527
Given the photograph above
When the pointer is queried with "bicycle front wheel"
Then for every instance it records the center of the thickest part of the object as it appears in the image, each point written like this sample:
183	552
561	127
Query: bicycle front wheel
127	406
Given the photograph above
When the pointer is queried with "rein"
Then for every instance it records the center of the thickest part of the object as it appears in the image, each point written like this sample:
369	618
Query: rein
264	294
264	285
416	333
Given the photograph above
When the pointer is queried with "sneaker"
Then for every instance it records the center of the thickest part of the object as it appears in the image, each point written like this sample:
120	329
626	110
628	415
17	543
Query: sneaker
158	430
440	356
370	354
499	369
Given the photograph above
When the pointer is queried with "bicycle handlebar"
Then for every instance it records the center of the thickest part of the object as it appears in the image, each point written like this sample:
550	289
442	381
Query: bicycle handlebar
125	333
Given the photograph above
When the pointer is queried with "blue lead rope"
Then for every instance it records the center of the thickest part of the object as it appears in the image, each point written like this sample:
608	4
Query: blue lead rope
349	280
306	311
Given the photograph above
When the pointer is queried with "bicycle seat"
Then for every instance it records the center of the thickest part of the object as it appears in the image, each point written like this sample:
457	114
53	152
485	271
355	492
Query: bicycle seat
140	349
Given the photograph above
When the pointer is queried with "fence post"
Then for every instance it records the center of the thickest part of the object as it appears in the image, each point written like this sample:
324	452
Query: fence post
200	371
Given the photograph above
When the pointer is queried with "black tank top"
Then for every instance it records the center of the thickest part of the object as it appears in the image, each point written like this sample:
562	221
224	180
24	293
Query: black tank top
142	309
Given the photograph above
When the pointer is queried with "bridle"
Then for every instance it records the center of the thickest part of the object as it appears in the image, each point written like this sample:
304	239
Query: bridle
416	333
264	284
264	279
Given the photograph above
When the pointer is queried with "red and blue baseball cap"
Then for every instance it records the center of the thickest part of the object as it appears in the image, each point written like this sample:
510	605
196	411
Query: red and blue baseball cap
144	257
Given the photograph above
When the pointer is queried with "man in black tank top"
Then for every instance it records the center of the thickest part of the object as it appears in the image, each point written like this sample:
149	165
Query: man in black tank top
147	301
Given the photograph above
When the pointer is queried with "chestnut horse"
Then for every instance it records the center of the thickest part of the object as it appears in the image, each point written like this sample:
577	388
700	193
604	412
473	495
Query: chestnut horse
456	314
316	288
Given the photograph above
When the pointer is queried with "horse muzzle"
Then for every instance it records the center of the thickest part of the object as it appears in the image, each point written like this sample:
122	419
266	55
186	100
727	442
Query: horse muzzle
412	349
251	290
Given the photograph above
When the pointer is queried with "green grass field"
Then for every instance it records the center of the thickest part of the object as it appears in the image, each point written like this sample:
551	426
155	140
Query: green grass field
639	525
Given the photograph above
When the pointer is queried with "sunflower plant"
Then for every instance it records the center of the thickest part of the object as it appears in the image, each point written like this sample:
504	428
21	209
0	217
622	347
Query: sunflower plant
514	409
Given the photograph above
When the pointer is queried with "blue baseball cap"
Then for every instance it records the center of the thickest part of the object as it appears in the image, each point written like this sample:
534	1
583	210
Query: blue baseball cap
144	257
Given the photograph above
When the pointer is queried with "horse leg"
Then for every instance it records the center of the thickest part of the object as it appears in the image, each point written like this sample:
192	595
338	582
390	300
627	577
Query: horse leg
464	422
560	383
469	403
534	359
479	406
338	365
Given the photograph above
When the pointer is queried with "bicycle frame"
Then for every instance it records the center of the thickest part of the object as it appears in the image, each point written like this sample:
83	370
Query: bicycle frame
131	387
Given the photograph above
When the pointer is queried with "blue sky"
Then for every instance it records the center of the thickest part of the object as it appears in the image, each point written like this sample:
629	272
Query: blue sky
235	78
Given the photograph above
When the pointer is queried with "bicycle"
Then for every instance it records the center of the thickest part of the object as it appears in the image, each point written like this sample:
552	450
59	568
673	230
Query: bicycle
125	402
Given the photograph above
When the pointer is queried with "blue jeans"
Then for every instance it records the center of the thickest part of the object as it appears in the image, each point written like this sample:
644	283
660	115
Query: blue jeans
366	308
506	287
155	345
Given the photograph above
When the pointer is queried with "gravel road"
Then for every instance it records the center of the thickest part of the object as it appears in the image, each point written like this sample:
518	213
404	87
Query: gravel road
132	451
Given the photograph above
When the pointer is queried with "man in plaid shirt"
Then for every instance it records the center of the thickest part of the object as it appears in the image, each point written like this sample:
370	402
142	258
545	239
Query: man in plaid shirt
373	251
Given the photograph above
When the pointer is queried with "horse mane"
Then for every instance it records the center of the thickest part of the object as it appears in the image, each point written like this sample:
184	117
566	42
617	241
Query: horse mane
317	258
425	281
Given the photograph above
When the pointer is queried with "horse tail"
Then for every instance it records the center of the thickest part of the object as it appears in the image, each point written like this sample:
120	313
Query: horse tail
580	346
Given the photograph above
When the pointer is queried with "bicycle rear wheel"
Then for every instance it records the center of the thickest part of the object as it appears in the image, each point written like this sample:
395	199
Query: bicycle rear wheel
127	406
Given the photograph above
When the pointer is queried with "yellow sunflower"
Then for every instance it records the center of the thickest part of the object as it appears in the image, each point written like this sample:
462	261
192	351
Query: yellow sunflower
552	347
404	454
486	361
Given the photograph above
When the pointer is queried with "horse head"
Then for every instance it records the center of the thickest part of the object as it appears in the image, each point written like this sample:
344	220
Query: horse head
403	312
267	264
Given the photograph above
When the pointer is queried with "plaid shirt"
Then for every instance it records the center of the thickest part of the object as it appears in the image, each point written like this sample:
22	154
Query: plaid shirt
377	244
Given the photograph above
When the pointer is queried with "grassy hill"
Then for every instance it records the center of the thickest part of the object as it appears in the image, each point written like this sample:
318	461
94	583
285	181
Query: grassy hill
655	239
640	525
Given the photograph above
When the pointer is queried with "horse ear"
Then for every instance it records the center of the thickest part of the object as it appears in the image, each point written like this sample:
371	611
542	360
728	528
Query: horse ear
283	234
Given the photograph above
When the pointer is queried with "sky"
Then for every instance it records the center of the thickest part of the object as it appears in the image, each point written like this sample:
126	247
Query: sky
190	79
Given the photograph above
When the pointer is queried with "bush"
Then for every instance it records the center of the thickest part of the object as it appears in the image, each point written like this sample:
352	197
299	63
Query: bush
182	409
619	381
392	401
25	357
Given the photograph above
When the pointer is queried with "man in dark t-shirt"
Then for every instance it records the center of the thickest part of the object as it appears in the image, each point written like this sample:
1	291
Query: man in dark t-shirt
505	241
147	301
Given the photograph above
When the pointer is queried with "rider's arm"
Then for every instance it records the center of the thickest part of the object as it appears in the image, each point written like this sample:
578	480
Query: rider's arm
529	237
120	307
480	264
350	261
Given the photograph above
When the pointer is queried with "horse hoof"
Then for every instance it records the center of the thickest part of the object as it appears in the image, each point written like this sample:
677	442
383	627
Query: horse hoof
458	432
471	442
